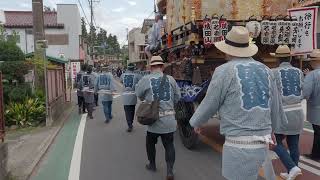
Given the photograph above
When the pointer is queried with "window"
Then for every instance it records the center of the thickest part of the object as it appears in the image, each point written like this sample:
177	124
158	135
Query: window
57	39
15	38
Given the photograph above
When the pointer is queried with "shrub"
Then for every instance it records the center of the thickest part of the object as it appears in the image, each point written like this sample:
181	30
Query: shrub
31	112
17	93
9	51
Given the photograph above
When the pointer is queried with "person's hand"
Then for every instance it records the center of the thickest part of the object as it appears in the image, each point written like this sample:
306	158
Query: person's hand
306	71
197	130
272	146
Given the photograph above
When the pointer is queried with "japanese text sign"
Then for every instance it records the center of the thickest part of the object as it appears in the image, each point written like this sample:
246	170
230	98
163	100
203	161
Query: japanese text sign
207	33
265	32
306	38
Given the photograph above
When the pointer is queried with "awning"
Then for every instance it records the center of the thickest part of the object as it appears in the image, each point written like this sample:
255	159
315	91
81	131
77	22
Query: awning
50	58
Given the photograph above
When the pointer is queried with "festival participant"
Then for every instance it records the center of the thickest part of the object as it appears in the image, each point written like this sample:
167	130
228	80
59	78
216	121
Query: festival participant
79	84
155	36
245	95
289	81
88	91
129	79
311	91
106	87
149	88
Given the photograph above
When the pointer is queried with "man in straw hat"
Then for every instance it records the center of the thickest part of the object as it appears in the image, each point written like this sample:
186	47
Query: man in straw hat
129	79
147	90
245	95
311	91
289	81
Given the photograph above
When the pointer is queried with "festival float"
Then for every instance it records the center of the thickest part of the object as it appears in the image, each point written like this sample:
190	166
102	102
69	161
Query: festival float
192	28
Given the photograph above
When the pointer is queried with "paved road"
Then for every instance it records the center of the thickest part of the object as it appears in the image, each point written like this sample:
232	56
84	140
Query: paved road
109	152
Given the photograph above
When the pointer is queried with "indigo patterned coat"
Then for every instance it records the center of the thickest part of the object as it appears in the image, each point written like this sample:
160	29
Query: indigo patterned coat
289	81
148	88
311	91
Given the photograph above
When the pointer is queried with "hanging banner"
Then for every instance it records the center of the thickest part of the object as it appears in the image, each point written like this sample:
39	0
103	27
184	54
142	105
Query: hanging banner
287	30
306	38
280	32
265	32
294	32
223	28
207	32
75	68
216	33
273	33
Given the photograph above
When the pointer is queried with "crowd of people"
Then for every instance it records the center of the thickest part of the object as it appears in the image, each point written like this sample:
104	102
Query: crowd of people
258	107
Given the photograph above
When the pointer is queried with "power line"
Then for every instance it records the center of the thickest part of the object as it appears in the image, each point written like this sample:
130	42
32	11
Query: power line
84	13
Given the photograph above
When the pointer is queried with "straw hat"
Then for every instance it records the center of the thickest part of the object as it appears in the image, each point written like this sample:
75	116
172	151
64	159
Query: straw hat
237	43
282	51
156	60
315	55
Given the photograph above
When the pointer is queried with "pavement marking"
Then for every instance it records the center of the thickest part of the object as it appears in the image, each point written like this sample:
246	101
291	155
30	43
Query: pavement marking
308	130
74	173
309	168
314	163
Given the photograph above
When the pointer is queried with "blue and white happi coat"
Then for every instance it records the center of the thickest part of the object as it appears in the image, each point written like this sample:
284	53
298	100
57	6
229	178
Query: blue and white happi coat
148	89
244	93
311	91
129	80
289	81
105	81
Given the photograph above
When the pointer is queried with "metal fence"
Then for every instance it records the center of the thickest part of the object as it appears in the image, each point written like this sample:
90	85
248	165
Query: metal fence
56	84
2	125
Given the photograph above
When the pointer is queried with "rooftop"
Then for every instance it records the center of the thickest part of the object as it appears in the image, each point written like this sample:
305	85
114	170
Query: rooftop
24	19
147	24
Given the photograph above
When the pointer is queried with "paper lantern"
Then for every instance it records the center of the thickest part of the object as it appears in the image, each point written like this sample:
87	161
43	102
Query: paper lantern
280	32
207	32
294	31
265	32
254	28
223	28
216	32
273	32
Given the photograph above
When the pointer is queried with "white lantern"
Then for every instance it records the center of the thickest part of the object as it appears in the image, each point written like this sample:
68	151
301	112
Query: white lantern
254	28
216	32
265	32
294	31
280	31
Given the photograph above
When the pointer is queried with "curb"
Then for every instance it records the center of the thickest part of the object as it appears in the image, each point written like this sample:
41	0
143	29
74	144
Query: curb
45	146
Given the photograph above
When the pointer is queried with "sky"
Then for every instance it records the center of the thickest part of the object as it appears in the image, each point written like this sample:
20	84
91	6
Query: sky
112	15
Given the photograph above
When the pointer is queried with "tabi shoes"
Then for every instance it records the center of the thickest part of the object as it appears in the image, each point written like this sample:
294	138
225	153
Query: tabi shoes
284	175
151	167
294	173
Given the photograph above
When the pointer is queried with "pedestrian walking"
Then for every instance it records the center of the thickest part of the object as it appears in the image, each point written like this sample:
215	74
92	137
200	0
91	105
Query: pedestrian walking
96	95
79	85
289	81
148	89
129	79
311	91
244	93
88	91
105	87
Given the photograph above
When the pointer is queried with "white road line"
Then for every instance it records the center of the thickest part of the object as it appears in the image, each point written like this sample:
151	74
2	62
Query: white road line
309	168
315	163
74	173
308	130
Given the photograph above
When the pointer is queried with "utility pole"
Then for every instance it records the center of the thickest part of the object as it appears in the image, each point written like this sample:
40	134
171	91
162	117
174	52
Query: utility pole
91	27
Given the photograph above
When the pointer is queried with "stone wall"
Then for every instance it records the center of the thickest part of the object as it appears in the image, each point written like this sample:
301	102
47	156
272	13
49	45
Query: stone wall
3	160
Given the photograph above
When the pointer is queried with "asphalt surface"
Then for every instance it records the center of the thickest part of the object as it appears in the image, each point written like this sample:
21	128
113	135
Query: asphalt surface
109	152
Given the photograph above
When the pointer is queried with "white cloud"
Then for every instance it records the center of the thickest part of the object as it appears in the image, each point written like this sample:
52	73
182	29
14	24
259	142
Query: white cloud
132	3
120	9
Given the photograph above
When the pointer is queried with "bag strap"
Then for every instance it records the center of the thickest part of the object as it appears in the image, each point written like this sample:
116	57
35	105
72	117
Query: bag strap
161	87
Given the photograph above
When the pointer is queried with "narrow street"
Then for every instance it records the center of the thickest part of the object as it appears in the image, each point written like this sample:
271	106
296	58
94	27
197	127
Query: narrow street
109	152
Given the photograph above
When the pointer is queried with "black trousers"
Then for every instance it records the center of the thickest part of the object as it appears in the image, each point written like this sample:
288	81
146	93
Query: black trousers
96	98
129	111
316	141
167	141
81	103
89	107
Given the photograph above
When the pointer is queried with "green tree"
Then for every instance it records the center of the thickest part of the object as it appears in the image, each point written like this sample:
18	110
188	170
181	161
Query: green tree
84	29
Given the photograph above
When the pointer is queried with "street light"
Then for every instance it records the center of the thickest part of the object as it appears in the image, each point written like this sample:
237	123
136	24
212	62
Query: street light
43	45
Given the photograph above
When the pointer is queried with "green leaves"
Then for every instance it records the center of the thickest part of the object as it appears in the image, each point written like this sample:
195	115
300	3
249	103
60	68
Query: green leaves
31	112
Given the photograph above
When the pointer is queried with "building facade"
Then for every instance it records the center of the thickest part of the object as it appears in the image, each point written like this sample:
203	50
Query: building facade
62	30
137	43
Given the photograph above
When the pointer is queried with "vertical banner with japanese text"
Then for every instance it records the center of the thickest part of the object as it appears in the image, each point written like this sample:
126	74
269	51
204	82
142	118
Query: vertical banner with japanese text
75	68
307	23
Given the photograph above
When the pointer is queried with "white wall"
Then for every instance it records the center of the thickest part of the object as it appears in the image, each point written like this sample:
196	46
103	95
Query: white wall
69	15
138	38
